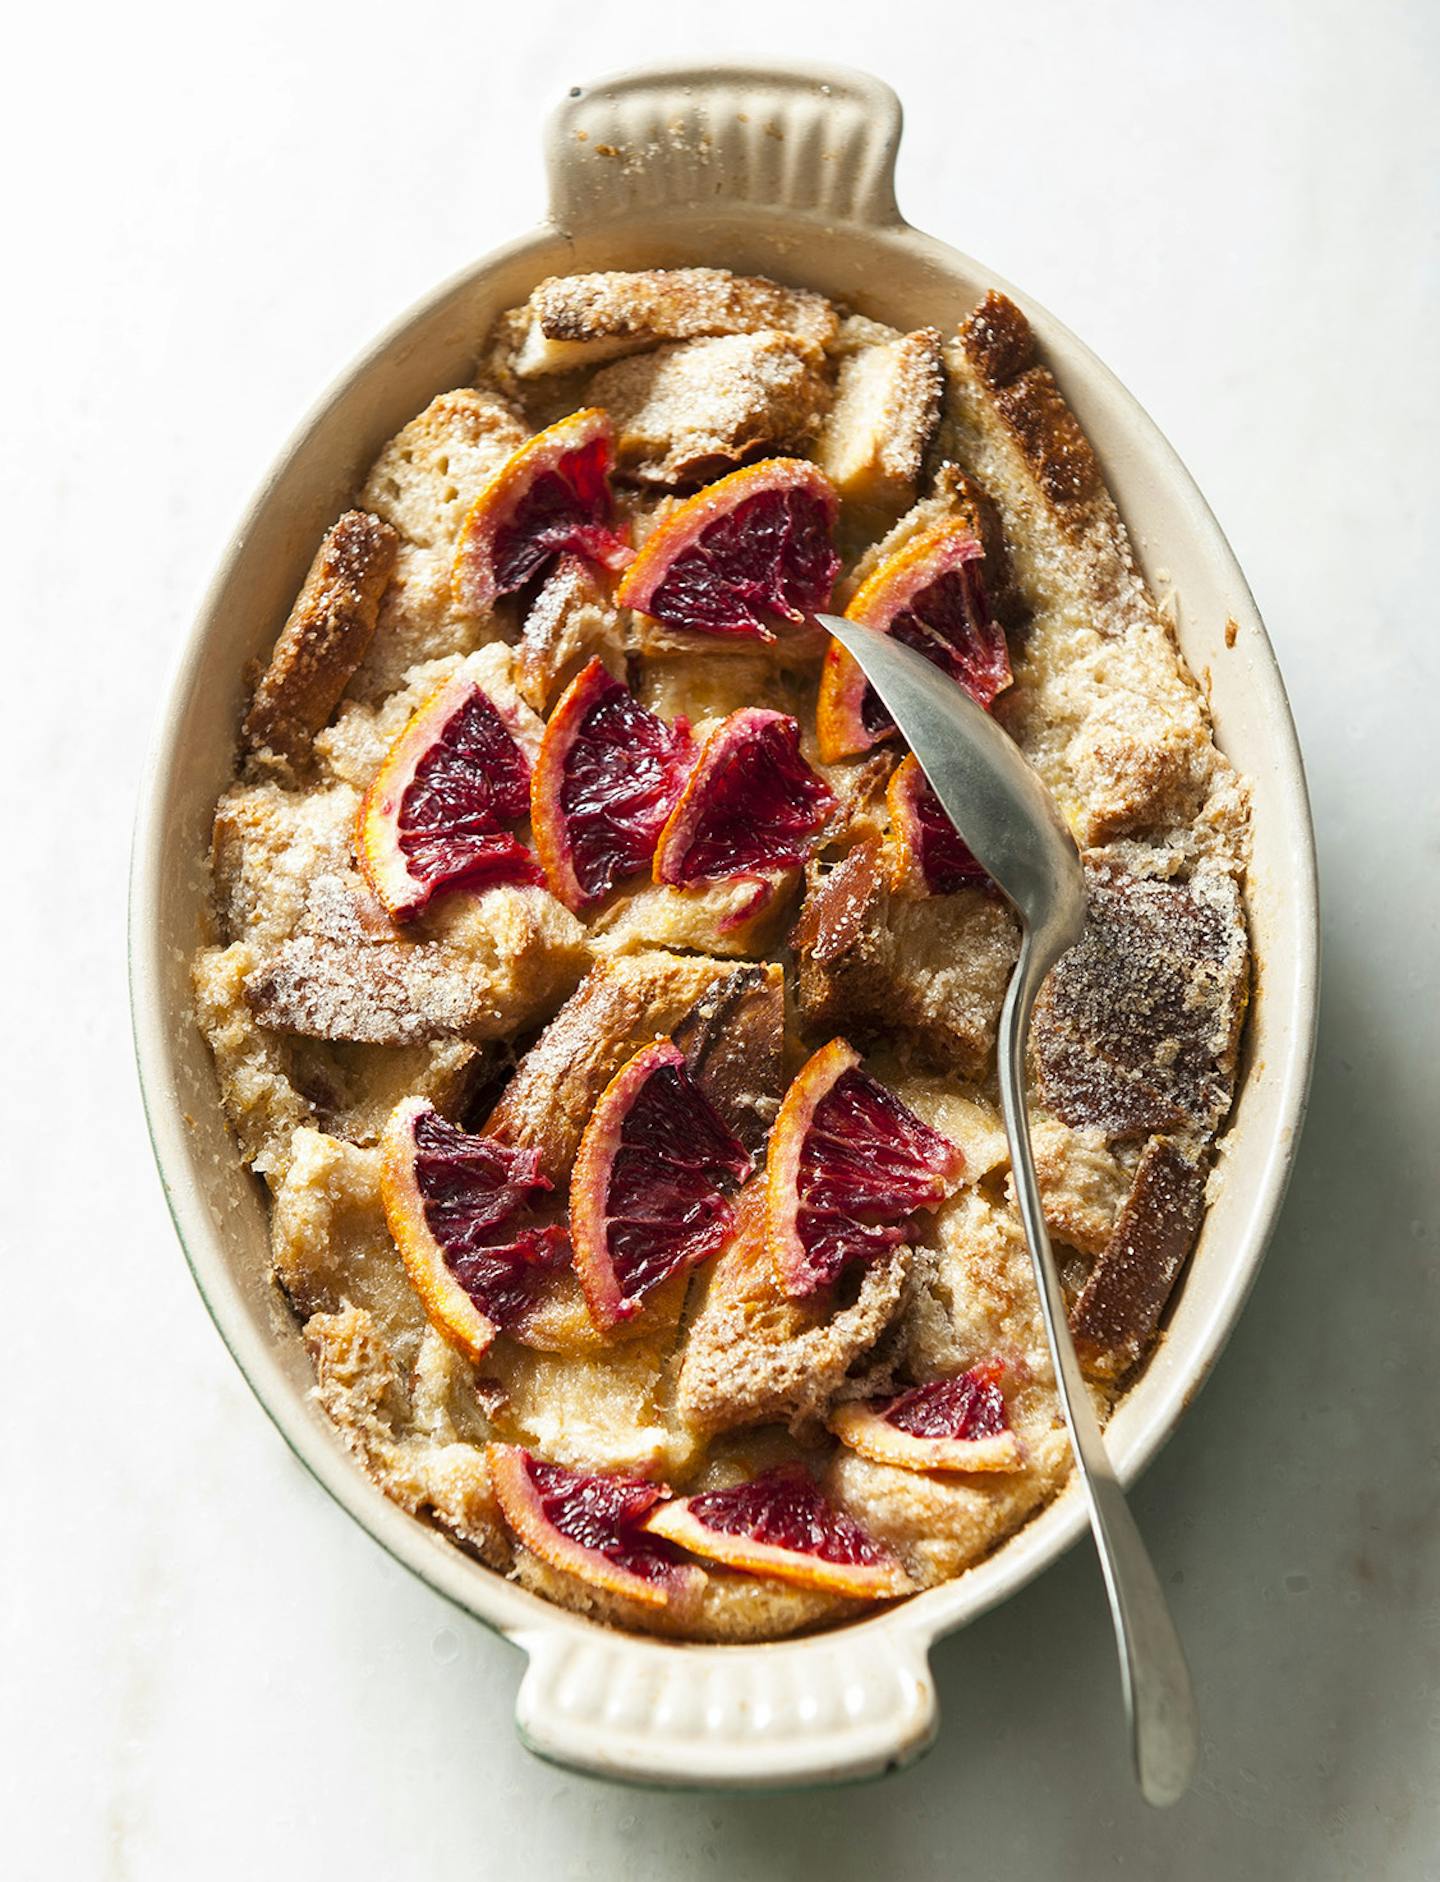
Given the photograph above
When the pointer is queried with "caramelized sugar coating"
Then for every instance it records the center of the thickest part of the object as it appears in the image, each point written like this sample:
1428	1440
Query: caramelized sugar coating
511	1015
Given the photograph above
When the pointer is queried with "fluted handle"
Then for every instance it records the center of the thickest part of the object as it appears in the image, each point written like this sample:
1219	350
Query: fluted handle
809	141
849	1705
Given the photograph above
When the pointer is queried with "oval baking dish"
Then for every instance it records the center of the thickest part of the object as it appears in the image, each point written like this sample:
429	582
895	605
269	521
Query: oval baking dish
787	174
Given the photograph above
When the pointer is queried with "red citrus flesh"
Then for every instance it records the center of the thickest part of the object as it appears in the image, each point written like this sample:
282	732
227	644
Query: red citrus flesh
456	1205
931	595
435	815
590	1527
749	550
782	1524
931	855
648	1193
949	1424
752	804
608	775
551	498
848	1166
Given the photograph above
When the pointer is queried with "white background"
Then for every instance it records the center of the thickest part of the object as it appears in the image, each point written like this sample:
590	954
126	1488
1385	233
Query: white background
207	1670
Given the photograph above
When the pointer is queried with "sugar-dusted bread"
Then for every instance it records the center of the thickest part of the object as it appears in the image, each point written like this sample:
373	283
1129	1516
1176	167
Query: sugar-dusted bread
687	413
579	320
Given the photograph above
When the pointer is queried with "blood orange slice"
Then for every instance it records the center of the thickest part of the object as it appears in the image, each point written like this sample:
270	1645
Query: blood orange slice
608	776
749	550
648	1192
590	1527
782	1524
456	1205
551	498
931	595
435	815
752	805
949	1424
931	856
848	1165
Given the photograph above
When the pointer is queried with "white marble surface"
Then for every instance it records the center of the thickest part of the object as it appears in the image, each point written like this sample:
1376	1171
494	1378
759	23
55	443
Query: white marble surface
207	1670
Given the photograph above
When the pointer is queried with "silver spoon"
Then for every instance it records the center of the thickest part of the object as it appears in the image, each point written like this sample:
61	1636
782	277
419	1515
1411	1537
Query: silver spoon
1012	825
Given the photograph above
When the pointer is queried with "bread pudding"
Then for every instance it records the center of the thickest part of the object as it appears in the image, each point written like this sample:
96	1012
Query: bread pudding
609	1007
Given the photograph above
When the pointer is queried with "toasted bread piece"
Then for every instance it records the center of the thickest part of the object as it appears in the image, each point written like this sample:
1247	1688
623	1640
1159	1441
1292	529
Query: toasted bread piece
1026	445
267	846
687	413
859	787
355	1088
736	917
872	965
329	1244
620	1006
570	621
383	1417
419	621
581	319
353	748
1083	1183
887	405
606	1408
324	639
1119	1308
261	1100
733	1039
1141	763
1138	1027
1103	705
481	967
754	1356
426	479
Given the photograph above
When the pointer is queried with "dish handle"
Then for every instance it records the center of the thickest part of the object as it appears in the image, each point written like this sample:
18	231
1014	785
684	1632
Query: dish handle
803	140
829	1708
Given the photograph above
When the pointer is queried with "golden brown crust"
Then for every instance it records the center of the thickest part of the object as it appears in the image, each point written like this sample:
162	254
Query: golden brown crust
1119	1307
324	639
1001	349
620	1005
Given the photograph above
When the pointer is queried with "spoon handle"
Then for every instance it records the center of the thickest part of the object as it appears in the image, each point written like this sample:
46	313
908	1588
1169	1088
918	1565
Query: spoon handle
1158	1697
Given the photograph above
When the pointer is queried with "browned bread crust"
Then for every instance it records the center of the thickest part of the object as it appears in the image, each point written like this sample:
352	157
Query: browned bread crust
873	966
324	639
1001	349
753	1356
1119	1307
620	1006
733	1039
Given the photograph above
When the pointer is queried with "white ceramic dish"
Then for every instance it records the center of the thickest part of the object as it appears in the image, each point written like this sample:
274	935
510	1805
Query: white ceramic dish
789	174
